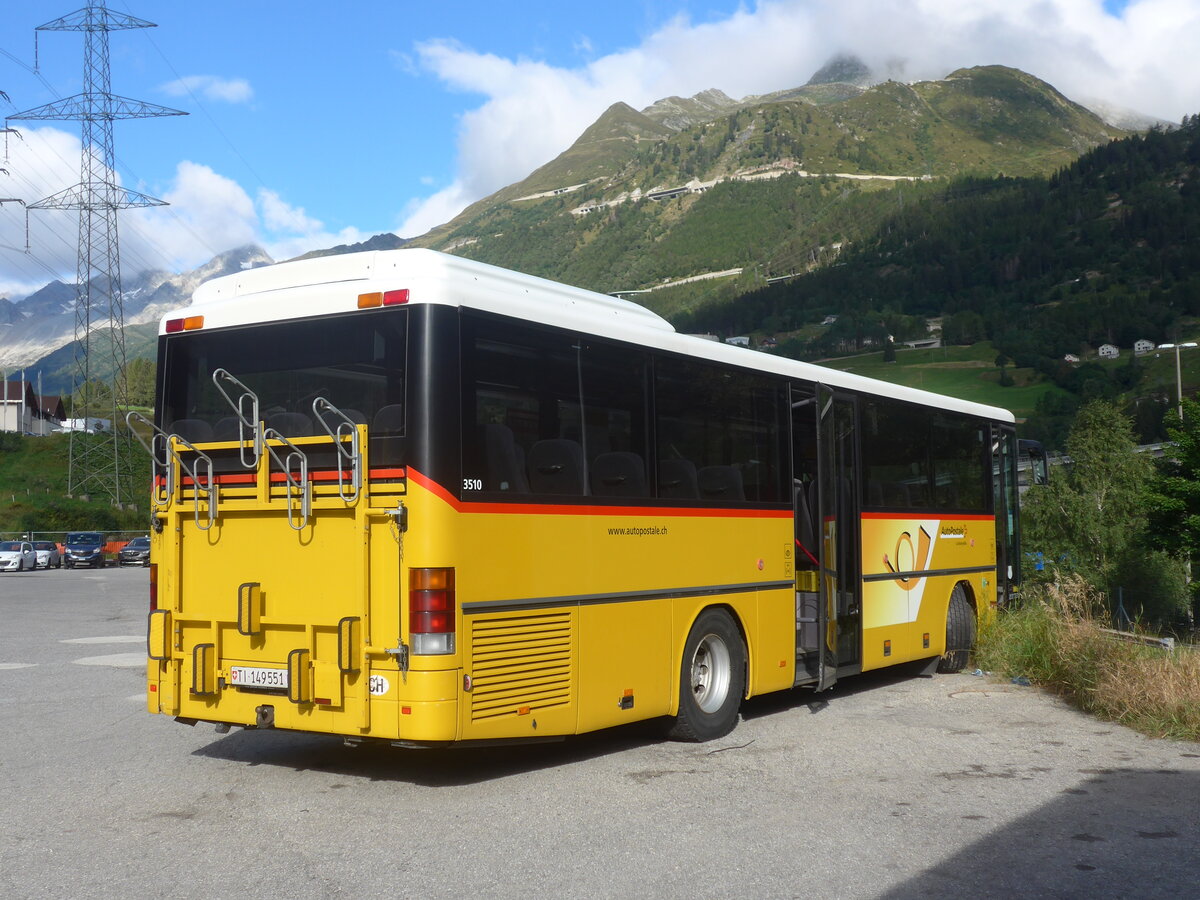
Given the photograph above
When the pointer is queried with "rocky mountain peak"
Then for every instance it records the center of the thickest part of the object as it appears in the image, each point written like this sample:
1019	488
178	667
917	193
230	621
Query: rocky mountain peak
843	68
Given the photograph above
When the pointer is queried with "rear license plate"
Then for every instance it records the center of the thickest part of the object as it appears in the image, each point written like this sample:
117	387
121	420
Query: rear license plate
259	679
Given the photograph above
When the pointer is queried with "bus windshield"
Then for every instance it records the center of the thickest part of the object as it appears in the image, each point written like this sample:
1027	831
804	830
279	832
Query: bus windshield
357	363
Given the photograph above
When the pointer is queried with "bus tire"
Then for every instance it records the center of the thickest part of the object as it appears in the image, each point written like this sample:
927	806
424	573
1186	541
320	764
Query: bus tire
712	679
960	632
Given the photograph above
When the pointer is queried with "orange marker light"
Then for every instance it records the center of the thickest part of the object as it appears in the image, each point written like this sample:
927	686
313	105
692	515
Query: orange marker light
368	301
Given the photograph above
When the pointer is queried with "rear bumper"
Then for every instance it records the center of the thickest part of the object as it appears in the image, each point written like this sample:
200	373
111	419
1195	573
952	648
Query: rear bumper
419	707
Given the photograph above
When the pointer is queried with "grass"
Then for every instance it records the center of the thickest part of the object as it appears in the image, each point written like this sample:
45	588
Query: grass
1055	639
33	490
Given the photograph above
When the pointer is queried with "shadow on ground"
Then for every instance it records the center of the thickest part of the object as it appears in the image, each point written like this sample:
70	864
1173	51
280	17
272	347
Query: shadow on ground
1121	833
471	764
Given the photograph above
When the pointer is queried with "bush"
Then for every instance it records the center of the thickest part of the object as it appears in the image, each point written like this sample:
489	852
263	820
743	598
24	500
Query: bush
1055	638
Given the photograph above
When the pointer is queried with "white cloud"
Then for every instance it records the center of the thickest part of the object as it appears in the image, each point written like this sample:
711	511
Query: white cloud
40	163
211	87
1143	58
281	216
207	214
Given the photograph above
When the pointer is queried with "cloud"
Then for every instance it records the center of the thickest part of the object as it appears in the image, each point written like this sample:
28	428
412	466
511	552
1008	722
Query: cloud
211	87
280	216
1141	57
40	162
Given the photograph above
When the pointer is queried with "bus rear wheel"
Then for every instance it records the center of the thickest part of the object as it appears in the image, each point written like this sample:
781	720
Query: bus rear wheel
960	632
712	679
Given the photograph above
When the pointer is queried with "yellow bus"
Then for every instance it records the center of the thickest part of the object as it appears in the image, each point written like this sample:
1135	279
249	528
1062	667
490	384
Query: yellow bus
405	496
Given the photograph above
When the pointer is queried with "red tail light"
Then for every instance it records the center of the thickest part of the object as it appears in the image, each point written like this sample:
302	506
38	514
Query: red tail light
431	610
153	586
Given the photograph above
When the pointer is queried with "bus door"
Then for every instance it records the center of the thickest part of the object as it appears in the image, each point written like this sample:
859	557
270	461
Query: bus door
837	492
811	620
1004	498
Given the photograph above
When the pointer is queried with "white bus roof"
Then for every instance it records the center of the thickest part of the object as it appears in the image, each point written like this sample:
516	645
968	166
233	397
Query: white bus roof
331	284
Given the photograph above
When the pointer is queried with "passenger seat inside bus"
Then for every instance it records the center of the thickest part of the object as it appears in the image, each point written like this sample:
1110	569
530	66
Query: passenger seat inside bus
556	467
290	424
720	483
618	474
197	431
389	419
226	429
677	479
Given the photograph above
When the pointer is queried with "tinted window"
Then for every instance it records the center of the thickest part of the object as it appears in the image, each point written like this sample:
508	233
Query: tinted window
549	413
722	423
356	362
915	458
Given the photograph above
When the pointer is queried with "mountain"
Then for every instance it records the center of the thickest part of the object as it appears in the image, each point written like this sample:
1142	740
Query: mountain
386	241
44	322
1103	251
37	333
763	187
781	182
843	68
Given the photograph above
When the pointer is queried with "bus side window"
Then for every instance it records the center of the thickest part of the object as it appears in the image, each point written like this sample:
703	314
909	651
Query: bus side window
727	423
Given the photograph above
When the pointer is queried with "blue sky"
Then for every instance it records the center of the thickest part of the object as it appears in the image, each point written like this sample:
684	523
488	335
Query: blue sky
312	123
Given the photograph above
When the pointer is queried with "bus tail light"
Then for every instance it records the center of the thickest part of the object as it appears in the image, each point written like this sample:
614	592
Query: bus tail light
188	323
383	298
431	610
153	586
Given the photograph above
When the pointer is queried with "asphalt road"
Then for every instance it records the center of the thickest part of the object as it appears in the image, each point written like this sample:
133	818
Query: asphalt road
890	786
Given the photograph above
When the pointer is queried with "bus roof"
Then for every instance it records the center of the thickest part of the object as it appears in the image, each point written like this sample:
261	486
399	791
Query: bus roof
331	284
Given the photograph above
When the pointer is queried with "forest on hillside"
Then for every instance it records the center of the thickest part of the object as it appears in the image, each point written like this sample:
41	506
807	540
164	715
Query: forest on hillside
1107	250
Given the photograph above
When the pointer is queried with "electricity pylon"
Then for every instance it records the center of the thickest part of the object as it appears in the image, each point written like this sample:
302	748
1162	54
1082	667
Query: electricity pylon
99	463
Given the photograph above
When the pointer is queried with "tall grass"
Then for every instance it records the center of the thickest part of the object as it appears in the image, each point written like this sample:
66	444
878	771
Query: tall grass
1055	639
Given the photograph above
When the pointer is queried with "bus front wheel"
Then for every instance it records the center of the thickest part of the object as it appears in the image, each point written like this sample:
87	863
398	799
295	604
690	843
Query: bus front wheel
960	632
712	679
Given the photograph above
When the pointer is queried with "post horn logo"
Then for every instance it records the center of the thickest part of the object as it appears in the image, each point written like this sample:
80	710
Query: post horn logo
909	561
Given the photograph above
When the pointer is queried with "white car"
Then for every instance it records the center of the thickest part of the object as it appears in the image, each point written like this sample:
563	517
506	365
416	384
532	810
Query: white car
16	556
48	554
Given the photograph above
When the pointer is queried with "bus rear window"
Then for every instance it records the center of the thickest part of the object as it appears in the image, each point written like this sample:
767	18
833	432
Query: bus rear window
356	362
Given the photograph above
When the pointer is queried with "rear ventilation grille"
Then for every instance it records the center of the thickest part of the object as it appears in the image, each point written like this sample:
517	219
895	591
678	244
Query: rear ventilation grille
520	664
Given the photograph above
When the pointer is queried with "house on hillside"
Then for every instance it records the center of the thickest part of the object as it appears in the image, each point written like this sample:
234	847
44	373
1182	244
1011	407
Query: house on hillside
53	412
1071	358
1142	347
23	411
1108	351
17	407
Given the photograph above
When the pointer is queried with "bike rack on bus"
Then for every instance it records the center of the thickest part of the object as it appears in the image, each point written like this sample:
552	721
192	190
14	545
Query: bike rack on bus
345	428
247	419
164	443
302	487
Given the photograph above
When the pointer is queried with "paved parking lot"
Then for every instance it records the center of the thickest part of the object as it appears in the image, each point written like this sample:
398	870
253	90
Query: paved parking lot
888	786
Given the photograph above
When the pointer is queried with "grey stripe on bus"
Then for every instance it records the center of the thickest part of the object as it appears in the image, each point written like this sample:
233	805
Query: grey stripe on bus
480	606
927	573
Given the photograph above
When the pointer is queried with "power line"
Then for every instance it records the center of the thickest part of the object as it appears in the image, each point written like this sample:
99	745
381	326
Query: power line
97	463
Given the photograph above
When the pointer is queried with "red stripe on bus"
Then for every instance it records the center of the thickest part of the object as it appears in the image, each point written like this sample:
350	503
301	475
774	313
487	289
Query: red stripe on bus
916	514
574	510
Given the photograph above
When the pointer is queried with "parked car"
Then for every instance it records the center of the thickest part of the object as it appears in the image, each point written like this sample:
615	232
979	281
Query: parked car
16	556
85	548
135	553
48	554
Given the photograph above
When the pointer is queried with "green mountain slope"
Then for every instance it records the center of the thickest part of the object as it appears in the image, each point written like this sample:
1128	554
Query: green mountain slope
1107	250
780	182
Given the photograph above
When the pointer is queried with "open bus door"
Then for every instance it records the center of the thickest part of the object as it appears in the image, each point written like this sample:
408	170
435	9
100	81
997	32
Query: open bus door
829	610
1005	494
837	453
